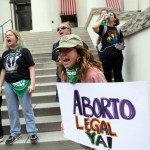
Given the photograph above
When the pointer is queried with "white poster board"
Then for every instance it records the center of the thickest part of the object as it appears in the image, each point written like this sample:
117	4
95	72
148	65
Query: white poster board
106	115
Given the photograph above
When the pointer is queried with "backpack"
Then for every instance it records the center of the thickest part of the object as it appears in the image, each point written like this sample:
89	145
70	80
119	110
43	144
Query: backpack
100	37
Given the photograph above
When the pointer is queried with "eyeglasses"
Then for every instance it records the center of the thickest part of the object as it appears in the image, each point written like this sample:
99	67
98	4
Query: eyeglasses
62	28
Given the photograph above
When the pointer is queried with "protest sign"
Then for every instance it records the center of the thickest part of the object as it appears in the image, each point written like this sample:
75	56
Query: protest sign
106	115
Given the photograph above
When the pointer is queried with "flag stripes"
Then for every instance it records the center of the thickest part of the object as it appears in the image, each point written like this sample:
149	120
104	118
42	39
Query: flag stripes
114	3
67	7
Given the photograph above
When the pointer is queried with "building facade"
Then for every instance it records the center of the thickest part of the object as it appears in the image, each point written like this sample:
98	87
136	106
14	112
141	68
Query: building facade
37	15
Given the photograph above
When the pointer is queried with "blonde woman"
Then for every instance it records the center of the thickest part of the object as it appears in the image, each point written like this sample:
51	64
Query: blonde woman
18	75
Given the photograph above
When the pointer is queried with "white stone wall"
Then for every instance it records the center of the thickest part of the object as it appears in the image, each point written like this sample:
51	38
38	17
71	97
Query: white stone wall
81	12
143	4
130	5
5	14
96	4
136	58
41	15
92	34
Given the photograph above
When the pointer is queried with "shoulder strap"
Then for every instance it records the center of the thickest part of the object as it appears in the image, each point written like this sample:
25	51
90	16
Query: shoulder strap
104	31
118	30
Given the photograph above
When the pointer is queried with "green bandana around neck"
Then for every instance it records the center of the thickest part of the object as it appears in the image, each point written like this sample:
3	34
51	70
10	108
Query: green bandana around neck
72	74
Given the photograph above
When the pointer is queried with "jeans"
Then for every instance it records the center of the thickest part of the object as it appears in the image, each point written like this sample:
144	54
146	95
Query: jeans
13	101
1	128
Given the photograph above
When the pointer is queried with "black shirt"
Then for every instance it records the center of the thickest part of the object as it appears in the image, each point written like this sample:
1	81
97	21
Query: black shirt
109	39
16	64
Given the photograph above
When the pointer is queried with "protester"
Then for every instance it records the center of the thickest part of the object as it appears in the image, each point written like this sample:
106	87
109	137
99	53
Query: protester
104	22
77	64
112	45
1	128
18	75
63	29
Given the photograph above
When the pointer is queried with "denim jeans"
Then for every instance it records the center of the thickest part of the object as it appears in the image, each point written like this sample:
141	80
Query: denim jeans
13	101
1	128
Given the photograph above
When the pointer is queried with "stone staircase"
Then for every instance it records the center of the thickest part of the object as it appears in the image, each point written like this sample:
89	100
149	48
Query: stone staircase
47	111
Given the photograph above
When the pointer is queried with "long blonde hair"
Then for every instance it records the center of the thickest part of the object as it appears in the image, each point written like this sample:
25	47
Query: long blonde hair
86	60
20	43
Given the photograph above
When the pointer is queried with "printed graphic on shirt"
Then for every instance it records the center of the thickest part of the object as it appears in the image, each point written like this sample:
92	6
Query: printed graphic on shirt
10	62
112	37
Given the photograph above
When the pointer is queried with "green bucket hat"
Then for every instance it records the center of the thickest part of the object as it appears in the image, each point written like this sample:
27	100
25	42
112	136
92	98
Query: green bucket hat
69	41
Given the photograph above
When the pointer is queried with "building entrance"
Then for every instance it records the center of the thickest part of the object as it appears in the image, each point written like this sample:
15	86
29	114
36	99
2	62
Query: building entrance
22	14
71	18
24	18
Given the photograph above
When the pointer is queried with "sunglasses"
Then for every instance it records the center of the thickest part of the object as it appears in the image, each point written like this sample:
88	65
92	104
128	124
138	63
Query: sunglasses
62	28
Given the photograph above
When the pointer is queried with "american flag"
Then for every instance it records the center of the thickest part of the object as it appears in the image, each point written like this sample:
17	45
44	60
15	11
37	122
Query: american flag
67	7
114	3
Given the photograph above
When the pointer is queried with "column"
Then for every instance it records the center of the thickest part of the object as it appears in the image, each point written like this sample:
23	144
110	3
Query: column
41	15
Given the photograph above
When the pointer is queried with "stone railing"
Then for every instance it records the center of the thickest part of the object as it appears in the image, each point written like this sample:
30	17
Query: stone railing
137	22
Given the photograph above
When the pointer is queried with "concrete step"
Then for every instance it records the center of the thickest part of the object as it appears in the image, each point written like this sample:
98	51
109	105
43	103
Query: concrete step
44	97
39	49
43	59
45	79
43	123
40	109
46	71
47	141
45	87
48	43
43	65
41	54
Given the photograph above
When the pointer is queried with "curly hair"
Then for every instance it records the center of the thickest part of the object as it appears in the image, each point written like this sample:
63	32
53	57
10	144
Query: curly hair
86	60
20	43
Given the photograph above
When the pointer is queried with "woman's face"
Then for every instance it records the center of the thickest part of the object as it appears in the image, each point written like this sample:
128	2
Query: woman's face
11	39
68	57
63	29
112	17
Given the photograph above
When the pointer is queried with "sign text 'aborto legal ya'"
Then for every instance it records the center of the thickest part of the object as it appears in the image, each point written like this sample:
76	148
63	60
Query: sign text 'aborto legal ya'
106	116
